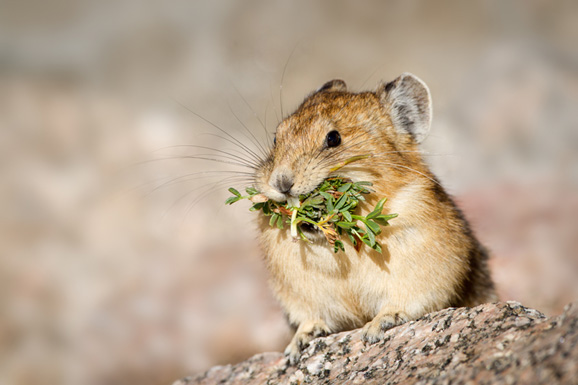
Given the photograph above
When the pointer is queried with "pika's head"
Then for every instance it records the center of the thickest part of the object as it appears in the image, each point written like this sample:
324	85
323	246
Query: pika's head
333	126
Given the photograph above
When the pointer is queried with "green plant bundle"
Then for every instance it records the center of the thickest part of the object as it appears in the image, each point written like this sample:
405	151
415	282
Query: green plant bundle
330	208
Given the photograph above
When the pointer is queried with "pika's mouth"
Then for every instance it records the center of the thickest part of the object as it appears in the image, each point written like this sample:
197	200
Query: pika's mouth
308	228
312	232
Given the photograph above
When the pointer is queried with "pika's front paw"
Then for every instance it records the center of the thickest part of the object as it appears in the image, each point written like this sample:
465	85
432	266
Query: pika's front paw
306	332
374	330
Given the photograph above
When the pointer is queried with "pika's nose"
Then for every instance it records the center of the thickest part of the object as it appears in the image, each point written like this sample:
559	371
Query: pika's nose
281	180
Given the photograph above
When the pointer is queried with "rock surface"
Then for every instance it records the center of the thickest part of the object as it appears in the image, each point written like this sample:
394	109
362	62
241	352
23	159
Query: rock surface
502	343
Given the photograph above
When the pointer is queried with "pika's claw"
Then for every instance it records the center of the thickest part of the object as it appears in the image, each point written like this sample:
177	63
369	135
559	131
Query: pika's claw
293	352
374	330
306	332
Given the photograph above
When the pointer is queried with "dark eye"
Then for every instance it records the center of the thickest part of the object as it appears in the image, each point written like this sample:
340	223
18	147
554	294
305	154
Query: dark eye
333	139
274	140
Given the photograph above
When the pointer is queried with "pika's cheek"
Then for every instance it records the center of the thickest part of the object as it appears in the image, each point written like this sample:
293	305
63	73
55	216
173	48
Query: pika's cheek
307	182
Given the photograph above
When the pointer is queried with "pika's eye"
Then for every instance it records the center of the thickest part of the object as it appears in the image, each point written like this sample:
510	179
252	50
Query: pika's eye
333	139
274	140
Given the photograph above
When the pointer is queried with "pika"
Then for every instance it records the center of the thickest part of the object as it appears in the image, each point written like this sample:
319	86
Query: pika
430	258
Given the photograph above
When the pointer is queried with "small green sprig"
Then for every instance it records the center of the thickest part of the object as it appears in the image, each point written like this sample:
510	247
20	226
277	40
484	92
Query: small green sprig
330	208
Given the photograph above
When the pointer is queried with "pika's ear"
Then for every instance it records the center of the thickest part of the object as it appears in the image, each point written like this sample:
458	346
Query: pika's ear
333	85
409	102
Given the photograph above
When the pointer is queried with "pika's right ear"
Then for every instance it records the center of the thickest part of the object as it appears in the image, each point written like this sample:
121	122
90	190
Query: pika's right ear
409	103
333	85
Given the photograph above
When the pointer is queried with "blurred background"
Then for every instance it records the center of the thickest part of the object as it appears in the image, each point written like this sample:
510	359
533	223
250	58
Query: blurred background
119	262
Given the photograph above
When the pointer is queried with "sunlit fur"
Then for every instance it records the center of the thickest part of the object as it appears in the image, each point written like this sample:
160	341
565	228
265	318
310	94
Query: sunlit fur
430	258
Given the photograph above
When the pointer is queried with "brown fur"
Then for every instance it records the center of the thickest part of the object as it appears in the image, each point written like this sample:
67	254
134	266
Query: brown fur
430	259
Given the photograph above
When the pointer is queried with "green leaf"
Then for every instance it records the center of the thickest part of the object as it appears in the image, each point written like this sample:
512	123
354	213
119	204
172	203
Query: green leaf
234	192
324	186
367	241
320	205
379	205
338	245
232	200
311	201
347	216
346	225
316	200
352	239
251	191
257	206
266	209
326	195
273	219
347	208
372	226
371	238
373	214
329	205
302	236
344	187
377	210
341	201
383	219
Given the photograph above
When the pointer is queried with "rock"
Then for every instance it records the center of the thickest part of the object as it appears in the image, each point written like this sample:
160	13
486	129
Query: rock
502	343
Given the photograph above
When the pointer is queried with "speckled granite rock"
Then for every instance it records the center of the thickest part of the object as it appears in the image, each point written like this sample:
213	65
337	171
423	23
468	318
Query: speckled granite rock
503	343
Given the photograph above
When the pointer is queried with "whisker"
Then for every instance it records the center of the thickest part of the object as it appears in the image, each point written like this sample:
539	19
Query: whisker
274	109
370	76
267	138
341	110
330	156
166	178
204	188
230	155
283	78
217	127
395	165
252	154
208	190
199	157
254	140
194	176
263	125
421	152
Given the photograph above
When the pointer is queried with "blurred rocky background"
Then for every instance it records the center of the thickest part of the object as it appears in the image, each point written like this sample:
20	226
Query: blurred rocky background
118	260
